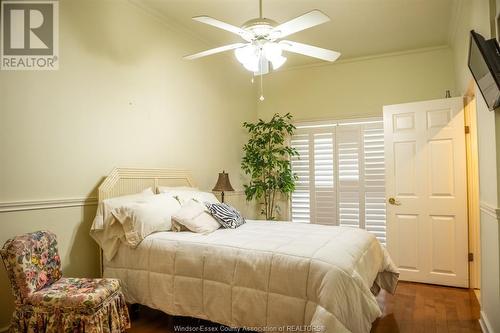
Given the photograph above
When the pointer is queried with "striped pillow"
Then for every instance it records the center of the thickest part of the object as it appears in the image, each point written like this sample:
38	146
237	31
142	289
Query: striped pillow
226	215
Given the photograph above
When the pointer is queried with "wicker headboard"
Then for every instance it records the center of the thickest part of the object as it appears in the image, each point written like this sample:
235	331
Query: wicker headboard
123	181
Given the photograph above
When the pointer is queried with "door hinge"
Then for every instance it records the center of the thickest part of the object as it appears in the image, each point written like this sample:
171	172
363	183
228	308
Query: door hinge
467	129
471	257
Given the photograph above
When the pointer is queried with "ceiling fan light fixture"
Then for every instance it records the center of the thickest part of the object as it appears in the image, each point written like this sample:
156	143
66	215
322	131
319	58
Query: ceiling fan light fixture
251	57
272	50
278	62
273	53
263	66
246	54
251	66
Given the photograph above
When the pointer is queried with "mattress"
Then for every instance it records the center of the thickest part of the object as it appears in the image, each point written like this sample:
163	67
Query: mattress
263	276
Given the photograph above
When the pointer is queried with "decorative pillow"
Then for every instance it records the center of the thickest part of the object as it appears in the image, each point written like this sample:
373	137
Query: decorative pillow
184	196
140	219
194	216
106	233
226	215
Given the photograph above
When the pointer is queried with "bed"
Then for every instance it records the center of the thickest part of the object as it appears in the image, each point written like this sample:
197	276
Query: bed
262	276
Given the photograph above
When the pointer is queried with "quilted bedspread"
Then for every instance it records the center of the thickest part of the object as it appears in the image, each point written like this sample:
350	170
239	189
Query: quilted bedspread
263	276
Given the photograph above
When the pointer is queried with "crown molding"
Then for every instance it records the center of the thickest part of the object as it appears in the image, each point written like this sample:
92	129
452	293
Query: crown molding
168	22
16	206
363	58
175	26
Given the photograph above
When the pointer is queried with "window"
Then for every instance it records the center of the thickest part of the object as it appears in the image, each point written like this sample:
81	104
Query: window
340	171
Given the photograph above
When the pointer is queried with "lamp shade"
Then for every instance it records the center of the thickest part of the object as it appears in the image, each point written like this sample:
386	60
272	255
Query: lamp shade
223	183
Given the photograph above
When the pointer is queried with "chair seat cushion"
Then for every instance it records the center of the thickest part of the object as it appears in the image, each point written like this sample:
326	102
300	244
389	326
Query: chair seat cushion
75	294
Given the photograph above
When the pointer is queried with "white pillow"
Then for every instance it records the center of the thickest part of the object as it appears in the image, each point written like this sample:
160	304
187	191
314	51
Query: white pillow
104	218
194	217
141	219
104	232
103	215
184	196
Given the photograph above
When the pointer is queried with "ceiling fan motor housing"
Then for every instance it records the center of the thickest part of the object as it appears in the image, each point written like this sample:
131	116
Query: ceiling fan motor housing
262	28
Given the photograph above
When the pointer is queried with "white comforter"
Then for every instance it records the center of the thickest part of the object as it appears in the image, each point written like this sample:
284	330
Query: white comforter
272	276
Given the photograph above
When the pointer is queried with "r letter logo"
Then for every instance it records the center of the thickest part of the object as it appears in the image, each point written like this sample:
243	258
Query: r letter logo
29	35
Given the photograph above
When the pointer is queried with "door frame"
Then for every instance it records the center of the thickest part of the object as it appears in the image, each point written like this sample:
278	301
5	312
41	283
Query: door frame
473	215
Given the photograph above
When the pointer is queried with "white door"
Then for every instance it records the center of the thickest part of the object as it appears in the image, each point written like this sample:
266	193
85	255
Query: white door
426	191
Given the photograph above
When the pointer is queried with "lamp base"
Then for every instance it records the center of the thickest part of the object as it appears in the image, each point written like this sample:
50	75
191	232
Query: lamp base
222	196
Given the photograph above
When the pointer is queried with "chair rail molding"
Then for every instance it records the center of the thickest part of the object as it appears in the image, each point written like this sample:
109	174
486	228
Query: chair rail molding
15	206
490	210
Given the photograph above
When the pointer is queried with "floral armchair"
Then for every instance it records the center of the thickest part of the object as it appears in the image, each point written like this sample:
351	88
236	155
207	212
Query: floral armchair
47	302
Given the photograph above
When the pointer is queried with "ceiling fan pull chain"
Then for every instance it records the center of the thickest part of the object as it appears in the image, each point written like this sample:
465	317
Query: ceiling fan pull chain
261	87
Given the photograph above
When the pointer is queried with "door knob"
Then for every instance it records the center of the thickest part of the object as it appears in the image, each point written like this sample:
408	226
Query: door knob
394	202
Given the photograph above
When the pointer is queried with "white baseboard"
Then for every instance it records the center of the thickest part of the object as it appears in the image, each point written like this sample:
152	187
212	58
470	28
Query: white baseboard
485	324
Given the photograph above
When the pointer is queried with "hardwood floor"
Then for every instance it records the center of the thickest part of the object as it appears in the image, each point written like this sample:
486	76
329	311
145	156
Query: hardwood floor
414	308
427	308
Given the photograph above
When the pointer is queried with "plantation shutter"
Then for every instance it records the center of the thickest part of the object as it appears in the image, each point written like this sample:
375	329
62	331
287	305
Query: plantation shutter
349	183
340	171
301	211
324	178
374	180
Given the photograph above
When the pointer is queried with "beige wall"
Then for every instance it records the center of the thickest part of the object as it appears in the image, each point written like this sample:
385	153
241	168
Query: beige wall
359	87
471	14
122	97
476	14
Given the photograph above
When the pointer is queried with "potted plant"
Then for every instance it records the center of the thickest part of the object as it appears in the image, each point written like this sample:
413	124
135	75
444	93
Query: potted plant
267	162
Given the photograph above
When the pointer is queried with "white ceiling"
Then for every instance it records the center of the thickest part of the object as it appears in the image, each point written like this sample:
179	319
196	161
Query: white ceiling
358	27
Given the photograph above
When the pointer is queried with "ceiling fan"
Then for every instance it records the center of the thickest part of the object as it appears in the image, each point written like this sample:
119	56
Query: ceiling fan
264	44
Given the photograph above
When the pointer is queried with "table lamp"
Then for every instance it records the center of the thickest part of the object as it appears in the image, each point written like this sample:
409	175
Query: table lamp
223	184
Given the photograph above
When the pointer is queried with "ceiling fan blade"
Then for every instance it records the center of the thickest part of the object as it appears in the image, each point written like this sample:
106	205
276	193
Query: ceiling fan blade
309	50
214	51
224	26
306	21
